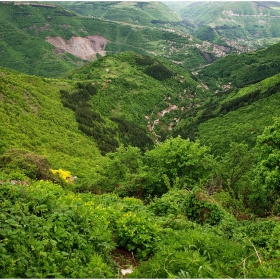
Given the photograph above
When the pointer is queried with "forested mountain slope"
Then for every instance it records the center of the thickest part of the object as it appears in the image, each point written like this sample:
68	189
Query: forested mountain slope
131	166
238	115
129	209
48	40
147	91
137	13
118	99
244	99
240	70
236	23
33	119
80	199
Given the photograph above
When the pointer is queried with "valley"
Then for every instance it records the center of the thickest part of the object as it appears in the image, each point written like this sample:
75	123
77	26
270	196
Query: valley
172	38
139	139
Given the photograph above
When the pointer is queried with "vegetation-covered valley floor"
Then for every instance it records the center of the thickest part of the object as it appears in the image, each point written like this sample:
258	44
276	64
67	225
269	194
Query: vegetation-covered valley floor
86	191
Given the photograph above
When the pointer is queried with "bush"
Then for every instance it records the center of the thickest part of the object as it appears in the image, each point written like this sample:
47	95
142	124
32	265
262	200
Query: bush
32	165
169	203
195	205
137	232
201	208
232	205
176	162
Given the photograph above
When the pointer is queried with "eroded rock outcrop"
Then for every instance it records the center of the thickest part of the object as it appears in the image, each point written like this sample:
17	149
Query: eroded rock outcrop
83	47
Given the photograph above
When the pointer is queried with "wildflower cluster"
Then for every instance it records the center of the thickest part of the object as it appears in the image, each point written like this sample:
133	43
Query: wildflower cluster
63	174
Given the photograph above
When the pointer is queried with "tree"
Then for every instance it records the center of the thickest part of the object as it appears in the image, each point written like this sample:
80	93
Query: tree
234	169
266	183
177	162
122	172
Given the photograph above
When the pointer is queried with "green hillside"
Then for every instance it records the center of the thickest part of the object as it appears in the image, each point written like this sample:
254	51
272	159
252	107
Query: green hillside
114	100
49	39
137	13
247	23
129	165
83	197
138	88
23	39
28	29
240	70
244	100
33	119
238	116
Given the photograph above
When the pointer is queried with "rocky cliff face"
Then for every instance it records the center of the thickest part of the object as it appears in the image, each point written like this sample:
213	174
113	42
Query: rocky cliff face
83	47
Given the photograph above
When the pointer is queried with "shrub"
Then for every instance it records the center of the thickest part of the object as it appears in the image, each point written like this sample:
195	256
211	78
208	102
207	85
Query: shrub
32	165
195	205
201	208
169	203
176	162
232	205
137	232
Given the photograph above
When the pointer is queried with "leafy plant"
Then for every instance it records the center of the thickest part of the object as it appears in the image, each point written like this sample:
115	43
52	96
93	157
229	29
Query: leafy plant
201	208
266	184
137	232
195	253
182	161
50	233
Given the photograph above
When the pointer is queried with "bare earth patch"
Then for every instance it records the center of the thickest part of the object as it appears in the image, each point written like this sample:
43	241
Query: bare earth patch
83	47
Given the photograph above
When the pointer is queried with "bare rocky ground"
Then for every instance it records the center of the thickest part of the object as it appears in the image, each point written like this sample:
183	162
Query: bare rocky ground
83	47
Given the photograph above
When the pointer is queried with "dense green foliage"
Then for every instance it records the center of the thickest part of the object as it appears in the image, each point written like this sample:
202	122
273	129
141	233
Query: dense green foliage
96	103
35	123
267	191
236	115
131	87
137	13
243	69
25	28
246	23
51	232
92	181
132	134
90	122
174	163
29	164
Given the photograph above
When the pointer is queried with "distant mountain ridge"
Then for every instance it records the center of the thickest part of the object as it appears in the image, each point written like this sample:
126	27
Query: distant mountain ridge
251	24
45	36
28	27
134	12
